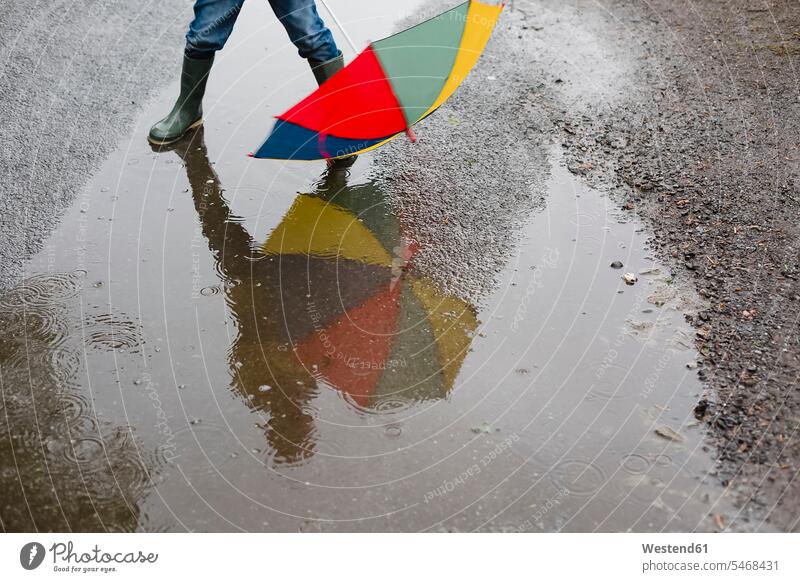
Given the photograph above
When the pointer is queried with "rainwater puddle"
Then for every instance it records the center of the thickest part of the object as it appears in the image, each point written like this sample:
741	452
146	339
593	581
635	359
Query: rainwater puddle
213	344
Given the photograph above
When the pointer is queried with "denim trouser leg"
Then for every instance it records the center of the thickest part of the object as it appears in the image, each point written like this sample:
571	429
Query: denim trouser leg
212	25
306	29
214	19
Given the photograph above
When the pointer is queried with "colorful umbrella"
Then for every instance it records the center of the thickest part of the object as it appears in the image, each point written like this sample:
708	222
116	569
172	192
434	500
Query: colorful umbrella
390	86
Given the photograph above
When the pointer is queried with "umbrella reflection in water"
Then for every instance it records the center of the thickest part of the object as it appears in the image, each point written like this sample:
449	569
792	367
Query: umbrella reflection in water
330	300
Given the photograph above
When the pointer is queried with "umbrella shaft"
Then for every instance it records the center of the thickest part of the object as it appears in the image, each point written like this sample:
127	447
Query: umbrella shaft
339	25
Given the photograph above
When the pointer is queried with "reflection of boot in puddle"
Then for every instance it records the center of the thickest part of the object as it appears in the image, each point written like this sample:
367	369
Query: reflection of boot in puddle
263	366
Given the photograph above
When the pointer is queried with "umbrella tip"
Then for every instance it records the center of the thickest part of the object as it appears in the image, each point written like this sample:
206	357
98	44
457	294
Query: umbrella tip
251	155
411	135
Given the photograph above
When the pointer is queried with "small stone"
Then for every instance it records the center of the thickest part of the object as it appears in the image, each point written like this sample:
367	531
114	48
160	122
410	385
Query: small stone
670	434
701	409
617	265
630	278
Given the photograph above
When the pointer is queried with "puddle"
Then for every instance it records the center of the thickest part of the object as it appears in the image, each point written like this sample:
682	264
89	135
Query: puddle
209	343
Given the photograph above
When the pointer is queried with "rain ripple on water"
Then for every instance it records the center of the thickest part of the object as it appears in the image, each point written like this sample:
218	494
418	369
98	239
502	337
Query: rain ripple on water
108	332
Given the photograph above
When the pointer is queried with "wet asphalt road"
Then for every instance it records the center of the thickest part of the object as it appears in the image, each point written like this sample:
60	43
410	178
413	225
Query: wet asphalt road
72	77
553	75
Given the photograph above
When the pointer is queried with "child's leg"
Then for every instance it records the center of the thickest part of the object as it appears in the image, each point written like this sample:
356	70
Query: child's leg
212	25
306	29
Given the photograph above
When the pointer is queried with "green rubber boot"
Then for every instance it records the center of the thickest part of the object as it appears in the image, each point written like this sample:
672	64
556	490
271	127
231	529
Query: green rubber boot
187	113
324	70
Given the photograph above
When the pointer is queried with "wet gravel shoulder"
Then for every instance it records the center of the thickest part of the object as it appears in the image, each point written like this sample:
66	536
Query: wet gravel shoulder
705	148
72	78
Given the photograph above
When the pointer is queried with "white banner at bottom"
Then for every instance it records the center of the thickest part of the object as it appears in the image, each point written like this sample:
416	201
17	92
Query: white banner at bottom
388	557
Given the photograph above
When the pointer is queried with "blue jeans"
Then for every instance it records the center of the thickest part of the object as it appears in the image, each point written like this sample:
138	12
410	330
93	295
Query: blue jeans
214	19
